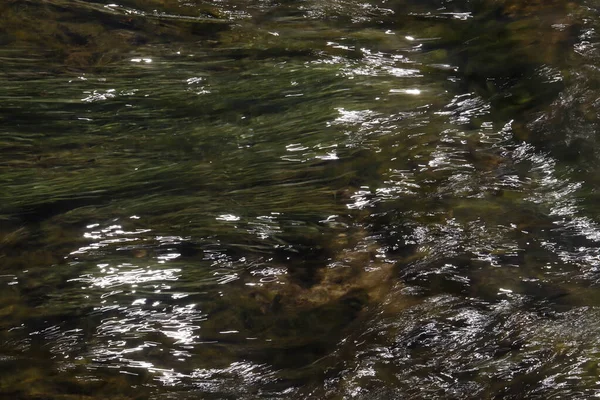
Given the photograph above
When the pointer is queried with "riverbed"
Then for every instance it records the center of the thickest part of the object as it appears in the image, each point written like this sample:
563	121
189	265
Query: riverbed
334	199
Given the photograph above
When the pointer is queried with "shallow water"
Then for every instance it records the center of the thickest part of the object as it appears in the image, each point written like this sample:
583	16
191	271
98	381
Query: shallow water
317	199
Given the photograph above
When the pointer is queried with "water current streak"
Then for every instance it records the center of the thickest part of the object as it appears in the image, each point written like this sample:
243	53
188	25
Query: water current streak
328	199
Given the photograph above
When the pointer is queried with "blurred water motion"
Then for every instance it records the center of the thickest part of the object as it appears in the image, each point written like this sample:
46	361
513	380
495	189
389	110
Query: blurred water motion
325	199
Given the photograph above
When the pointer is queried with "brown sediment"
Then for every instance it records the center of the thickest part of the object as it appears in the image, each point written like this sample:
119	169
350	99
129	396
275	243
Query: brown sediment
358	266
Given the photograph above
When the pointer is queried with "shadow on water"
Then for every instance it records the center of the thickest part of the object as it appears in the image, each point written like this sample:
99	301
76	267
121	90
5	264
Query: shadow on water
321	200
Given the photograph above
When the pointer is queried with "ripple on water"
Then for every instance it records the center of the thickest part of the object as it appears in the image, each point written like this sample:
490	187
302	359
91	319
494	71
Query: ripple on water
310	202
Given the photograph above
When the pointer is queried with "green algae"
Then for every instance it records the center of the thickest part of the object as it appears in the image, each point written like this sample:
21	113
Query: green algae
84	35
326	143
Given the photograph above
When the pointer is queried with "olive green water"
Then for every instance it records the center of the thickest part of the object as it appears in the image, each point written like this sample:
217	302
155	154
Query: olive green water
321	199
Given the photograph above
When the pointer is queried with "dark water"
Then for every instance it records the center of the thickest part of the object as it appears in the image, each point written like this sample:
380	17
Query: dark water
324	199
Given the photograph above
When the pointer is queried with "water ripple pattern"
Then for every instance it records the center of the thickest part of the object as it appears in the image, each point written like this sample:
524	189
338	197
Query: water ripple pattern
312	200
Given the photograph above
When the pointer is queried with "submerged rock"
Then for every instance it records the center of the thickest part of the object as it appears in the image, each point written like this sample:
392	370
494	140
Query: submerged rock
293	313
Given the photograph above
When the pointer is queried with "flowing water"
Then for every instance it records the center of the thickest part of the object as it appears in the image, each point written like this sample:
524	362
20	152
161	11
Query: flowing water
318	199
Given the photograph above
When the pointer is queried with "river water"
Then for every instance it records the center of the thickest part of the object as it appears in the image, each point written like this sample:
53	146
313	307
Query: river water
318	199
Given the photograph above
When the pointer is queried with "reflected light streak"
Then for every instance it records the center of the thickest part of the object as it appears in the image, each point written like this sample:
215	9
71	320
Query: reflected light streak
413	92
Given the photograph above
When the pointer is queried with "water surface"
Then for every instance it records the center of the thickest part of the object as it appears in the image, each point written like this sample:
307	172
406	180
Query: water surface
318	199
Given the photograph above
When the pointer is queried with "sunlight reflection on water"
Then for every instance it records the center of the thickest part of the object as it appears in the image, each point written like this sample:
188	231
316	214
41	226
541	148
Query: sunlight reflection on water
314	202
